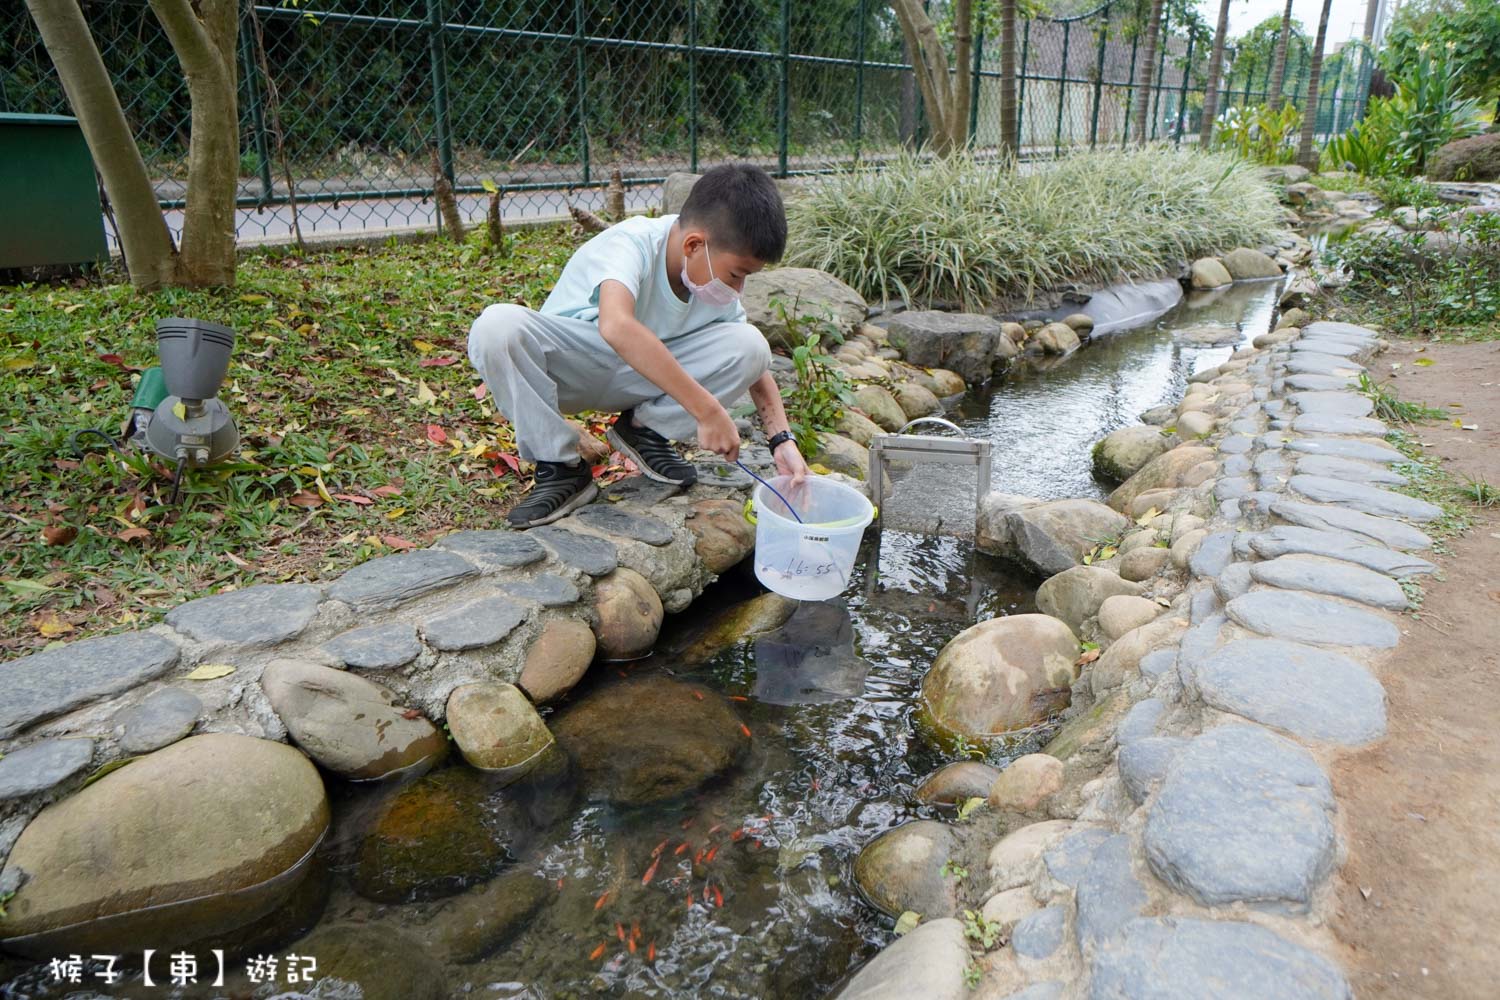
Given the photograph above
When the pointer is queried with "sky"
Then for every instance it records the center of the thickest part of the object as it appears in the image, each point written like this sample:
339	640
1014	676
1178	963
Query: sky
1346	18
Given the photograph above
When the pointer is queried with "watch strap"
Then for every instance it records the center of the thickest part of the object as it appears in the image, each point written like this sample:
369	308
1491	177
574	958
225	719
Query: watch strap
778	439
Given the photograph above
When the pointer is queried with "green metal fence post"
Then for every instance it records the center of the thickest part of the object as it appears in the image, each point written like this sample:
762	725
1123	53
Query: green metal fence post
1062	91
257	112
1135	44
1180	121
974	87
1265	85
1021	88
1099	79
693	86
859	82
580	81
1164	42
783	98
439	56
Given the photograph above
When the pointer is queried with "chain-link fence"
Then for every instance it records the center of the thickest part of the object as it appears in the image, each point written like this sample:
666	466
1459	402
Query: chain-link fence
356	106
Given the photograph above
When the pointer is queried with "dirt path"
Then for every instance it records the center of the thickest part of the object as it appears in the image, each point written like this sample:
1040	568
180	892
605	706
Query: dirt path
1422	808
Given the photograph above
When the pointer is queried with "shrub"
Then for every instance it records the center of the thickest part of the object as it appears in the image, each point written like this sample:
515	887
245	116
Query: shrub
970	232
1260	133
1473	159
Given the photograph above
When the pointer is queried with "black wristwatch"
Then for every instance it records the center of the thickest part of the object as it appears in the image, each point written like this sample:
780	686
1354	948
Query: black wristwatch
779	439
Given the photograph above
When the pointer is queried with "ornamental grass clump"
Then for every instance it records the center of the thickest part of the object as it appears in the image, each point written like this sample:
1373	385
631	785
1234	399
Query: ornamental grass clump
962	231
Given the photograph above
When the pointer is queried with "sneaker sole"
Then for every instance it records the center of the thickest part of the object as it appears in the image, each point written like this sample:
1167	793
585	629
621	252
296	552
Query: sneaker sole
624	448
585	496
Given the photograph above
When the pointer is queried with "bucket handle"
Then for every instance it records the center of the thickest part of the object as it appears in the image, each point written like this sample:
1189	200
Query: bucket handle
931	420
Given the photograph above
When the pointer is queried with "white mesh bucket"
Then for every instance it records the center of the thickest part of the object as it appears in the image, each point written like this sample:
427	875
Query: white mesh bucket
811	560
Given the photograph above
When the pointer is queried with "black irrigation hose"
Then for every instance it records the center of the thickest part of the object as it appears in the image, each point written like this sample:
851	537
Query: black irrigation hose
77	449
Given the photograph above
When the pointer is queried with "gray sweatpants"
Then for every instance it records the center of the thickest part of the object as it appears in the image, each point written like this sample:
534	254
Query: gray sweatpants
539	367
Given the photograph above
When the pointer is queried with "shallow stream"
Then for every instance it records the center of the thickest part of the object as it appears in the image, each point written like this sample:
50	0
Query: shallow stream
759	902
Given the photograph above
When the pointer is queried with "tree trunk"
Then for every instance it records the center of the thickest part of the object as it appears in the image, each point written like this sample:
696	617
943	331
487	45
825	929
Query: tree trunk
1008	124
1278	67
1215	68
1147	72
144	238
1372	14
203	35
946	91
1307	154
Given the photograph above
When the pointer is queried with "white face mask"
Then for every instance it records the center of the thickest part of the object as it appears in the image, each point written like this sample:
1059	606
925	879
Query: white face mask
716	293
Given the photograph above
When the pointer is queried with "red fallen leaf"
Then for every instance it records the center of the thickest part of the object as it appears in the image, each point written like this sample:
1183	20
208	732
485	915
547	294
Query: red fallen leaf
352	498
132	534
60	534
306	498
112	359
480	391
387	491
1088	657
436	434
412	713
510	460
436	362
397	542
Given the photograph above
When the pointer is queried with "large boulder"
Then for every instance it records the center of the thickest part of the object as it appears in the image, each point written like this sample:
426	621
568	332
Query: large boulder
1075	595
433	838
1001	675
902	869
992	534
961	342
1056	339
1050	537
648	739
881	406
807	294
1122	453
1473	159
1169	470
839	454
917	400
496	728
1207	272
191	841
722	536
350	725
630	615
953	784
1244	264
675	190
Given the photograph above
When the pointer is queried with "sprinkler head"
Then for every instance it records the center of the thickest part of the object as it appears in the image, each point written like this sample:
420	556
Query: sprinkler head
191	427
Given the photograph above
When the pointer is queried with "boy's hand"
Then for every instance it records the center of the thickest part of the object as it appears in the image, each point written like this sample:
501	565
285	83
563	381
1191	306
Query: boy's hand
789	462
718	434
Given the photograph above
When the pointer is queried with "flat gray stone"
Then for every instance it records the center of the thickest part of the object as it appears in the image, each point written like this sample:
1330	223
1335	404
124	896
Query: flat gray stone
547	589
1349	331
1236	465
1322	364
1140	721
1286	539
474	625
1232	488
1333	577
1363	497
1332	423
163	717
1271	463
1313	694
927	962
1367	451
1158	662
1237	444
255	616
1234	581
42	765
1348	468
389	580
1180	958
1271	441
1327	345
1067	860
588	554
1321	383
1038	935
1396	534
1343	404
1213	554
615	521
51	682
1242	816
1109	894
376	647
1197	643
1288	614
1145	762
1050	990
642	491
1246	426
1203	605
494	549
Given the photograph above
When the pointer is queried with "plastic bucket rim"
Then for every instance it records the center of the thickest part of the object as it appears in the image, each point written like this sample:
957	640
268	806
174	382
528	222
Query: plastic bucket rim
868	515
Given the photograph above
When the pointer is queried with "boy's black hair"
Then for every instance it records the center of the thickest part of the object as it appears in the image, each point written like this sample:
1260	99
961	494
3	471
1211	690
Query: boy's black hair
740	207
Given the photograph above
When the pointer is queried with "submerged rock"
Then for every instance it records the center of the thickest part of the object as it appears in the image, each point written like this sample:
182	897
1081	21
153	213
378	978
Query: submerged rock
1001	675
649	739
902	869
735	624
198	839
810	659
382	962
953	784
496	728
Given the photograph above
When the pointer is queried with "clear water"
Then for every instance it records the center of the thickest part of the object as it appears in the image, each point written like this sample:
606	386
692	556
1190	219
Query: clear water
834	753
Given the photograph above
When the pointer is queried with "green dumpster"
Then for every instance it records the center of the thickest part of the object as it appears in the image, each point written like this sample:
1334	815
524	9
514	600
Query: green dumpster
49	200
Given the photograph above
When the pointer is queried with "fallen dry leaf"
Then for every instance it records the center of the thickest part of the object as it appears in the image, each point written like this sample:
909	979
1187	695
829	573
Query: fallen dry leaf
209	671
1089	656
59	534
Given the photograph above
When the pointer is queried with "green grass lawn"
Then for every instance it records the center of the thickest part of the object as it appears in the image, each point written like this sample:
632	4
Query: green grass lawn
365	430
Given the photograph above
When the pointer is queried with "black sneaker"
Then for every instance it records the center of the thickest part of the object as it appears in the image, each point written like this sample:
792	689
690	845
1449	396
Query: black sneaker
652	453
558	490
